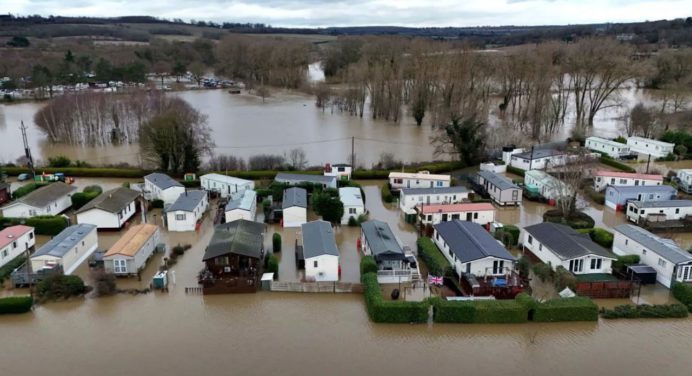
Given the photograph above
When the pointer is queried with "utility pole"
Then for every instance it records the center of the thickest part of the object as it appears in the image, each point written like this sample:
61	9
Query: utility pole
648	161
531	160
353	153
27	151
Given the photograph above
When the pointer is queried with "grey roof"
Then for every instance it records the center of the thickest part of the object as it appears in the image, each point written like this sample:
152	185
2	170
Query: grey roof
243	202
428	191
46	195
65	240
295	197
665	248
239	237
470	241
187	201
539	153
162	181
112	201
662	204
318	239
499	181
284	177
642	188
565	242
381	240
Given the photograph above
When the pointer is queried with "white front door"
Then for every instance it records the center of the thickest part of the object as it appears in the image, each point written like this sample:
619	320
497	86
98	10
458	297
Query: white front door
120	266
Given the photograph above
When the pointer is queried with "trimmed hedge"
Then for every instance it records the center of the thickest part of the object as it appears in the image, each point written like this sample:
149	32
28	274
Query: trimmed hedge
600	236
276	242
566	309
645	311
157	204
273	265
683	293
512	231
42	224
577	220
89	193
83	171
368	265
387	195
613	163
8	268
597	197
387	311
434	259
516	171
622	261
479	311
16	304
26	189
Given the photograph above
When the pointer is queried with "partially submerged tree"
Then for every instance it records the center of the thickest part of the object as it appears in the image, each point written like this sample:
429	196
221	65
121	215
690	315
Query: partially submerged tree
571	176
464	139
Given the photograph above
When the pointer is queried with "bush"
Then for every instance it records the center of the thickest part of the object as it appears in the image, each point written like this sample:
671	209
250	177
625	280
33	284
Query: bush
566	309
43	224
353	222
328	205
276	242
524	266
59	161
683	293
564	278
597	197
479	311
8	268
273	265
178	250
602	237
368	265
543	271
60	286
191	183
577	220
104	283
26	189
434	259
516	171
622	262
386	311
613	163
16	304
510	232
645	311
387	195
158	204
82	198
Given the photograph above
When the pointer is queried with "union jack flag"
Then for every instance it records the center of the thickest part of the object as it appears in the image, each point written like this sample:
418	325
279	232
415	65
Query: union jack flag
433	280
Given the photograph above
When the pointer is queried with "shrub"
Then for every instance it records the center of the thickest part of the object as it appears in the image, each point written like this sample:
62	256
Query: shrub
273	265
43	224
524	266
602	237
577	220
622	262
387	195
479	311
60	286
16	304
82	198
178	250
133	173
564	278
368	265
566	309
8	268
104	283
353	222
683	293
597	197
157	204
191	183
645	311
543	271
516	171
613	163
125	184
26	189
276	242
385	311
512	234
434	259
59	161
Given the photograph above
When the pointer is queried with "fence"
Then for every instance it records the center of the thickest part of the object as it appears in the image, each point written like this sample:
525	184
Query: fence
324	287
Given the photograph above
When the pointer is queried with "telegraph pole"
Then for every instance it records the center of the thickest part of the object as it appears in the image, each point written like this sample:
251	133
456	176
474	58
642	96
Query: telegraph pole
27	151
648	161
353	153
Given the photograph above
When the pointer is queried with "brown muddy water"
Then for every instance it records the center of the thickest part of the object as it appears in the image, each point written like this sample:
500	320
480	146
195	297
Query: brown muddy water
316	334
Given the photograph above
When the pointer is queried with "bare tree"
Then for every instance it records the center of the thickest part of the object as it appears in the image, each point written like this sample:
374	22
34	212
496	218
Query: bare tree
571	176
296	159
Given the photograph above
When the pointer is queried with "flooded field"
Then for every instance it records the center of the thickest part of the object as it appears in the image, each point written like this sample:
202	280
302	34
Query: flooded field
315	334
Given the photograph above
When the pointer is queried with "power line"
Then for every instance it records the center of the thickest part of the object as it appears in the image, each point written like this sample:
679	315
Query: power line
282	144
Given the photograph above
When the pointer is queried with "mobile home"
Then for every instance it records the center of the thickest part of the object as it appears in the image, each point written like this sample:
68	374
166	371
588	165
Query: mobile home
130	253
500	189
481	213
68	249
52	199
244	207
295	207
684	180
341	171
617	197
538	159
654	148
352	199
611	148
421	179
409	198
657	211
15	241
111	209
547	185
224	185
187	211
319	251
602	179
296	179
158	186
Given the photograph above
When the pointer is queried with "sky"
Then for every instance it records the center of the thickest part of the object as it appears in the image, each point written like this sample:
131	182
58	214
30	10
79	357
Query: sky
414	13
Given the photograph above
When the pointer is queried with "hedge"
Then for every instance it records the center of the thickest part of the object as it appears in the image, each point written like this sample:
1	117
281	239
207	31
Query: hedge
387	195
479	311
577	220
600	236
566	309
645	311
368	265
597	197
89	193
622	261
613	163
276	242
434	259
683	293
60	286
26	189
273	265
513	232
16	304
83	171
8	268
388	311
516	171
42	224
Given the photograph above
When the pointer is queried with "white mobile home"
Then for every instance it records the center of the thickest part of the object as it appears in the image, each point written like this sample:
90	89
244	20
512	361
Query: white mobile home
472	250
158	186
15	241
296	179
611	148
500	189
560	245
319	251
244	207
654	148
481	213
547	185
130	253
52	199
393	264
421	179
68	249
295	207
672	264
352	199
110	210
409	198
187	211
684	180
341	171
538	159
602	179
657	211
617	197
224	185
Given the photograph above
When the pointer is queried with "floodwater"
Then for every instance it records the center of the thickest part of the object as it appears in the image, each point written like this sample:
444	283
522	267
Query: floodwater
315	334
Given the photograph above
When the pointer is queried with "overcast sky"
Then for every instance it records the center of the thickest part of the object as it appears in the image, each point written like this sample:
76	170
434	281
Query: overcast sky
320	13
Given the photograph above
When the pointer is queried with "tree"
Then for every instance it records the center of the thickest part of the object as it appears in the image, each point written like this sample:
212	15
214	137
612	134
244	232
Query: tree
681	151
197	71
297	159
18	41
176	139
463	138
179	69
642	121
327	204
570	178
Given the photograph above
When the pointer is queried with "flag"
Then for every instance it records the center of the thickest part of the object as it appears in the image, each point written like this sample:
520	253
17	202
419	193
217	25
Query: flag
433	280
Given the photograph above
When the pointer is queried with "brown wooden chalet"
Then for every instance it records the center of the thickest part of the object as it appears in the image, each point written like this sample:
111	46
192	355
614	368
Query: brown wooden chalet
233	258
